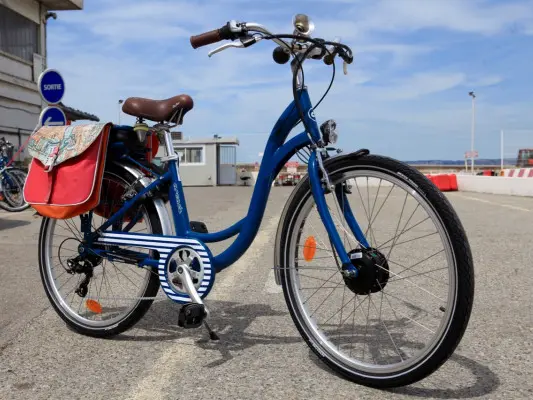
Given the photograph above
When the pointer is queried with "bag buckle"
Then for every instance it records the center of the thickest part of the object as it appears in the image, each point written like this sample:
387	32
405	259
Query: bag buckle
52	157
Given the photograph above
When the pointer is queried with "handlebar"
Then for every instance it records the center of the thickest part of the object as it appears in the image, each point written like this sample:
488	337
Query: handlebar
206	38
234	30
211	37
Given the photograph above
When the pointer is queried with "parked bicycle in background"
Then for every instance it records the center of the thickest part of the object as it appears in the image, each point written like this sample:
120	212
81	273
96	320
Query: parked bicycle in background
12	180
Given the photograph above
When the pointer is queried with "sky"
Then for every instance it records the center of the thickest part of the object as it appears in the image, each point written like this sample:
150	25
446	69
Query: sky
405	95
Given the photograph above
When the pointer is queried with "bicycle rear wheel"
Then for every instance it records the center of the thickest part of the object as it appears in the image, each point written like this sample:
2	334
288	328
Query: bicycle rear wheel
406	312
118	293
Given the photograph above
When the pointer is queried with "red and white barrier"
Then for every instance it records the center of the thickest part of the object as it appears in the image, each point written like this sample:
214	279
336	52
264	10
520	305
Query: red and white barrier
445	182
510	184
518	173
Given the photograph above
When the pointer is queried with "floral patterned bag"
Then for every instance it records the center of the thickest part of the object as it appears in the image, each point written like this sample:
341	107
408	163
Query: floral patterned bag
65	175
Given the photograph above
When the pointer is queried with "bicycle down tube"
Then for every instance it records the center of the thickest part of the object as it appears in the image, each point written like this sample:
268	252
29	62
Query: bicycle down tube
276	154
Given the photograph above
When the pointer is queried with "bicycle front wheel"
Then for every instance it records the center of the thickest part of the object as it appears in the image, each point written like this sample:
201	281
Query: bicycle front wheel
404	315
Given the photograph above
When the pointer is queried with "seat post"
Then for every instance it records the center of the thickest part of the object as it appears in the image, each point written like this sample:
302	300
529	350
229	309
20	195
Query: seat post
167	137
171	153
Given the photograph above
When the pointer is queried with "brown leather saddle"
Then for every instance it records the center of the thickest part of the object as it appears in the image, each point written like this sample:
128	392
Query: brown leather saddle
170	110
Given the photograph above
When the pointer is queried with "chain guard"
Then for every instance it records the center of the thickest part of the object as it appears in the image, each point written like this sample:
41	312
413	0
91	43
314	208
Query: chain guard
169	248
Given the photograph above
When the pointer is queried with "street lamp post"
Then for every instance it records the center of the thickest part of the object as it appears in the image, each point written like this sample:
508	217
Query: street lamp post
118	106
472	94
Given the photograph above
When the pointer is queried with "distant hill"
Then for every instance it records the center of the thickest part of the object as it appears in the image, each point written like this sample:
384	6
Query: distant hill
479	161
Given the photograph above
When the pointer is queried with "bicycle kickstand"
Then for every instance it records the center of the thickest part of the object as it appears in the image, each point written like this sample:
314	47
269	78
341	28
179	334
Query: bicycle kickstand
192	315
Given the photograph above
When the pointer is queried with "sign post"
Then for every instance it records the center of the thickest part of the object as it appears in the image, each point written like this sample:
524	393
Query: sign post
292	167
52	89
470	155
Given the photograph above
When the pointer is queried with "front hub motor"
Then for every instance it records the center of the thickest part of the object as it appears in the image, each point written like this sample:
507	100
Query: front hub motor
373	271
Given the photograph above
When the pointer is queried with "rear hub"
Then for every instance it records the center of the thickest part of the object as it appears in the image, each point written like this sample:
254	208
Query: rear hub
373	271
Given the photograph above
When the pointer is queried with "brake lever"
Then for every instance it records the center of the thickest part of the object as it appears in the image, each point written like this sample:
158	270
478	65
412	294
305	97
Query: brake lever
345	57
224	47
243	43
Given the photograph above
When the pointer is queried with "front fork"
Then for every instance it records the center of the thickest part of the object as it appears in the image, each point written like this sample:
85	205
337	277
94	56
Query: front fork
320	187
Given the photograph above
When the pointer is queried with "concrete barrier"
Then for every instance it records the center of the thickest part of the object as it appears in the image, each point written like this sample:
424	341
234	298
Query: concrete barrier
495	185
466	183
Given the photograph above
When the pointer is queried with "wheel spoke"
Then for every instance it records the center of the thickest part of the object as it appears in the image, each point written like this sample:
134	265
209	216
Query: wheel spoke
410	240
115	286
390	325
407	280
388	333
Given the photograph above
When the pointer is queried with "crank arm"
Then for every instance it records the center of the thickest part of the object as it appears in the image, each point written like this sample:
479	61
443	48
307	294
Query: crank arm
186	280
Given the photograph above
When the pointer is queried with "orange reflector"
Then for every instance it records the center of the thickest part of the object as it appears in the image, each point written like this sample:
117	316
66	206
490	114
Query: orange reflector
94	306
309	248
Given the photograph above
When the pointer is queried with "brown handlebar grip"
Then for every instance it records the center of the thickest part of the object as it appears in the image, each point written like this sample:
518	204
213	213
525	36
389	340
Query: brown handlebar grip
206	38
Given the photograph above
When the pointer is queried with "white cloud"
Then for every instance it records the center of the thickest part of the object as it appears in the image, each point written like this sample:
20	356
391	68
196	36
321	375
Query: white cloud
421	84
473	16
489	80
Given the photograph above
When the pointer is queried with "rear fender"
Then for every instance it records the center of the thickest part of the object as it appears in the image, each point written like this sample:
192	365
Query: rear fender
159	204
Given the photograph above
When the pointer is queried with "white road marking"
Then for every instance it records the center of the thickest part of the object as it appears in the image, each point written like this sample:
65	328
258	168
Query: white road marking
271	286
183	351
494	203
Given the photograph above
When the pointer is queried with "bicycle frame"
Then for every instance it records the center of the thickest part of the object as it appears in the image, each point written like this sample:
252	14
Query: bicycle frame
276	154
3	168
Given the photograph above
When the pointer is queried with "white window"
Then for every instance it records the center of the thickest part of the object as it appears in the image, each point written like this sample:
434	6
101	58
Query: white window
19	36
191	155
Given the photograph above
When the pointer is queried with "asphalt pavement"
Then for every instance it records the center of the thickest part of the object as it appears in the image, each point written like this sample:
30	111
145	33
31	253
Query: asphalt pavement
260	354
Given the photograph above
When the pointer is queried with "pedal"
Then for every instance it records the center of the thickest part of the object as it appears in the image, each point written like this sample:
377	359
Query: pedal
199	227
191	316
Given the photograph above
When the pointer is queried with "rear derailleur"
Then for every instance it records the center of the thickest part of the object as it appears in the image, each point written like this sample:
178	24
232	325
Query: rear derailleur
83	264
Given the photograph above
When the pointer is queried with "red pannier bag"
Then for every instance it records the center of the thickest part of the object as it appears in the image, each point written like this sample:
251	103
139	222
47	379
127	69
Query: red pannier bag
65	175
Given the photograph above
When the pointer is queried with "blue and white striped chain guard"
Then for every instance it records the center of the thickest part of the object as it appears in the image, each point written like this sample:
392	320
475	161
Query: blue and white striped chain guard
166	245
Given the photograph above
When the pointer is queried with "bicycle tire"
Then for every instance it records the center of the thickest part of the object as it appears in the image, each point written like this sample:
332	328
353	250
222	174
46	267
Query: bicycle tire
8	203
151	288
22	176
461	251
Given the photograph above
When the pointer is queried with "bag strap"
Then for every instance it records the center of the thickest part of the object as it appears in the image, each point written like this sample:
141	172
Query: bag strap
52	157
51	180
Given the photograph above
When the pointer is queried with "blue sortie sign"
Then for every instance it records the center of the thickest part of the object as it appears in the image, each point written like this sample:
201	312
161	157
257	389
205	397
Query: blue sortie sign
52	116
51	86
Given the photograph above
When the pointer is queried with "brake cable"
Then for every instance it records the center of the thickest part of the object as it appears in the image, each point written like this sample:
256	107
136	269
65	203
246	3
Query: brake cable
316	43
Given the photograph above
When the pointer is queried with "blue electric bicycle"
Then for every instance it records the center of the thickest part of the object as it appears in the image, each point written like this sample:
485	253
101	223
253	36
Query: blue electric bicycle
370	303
